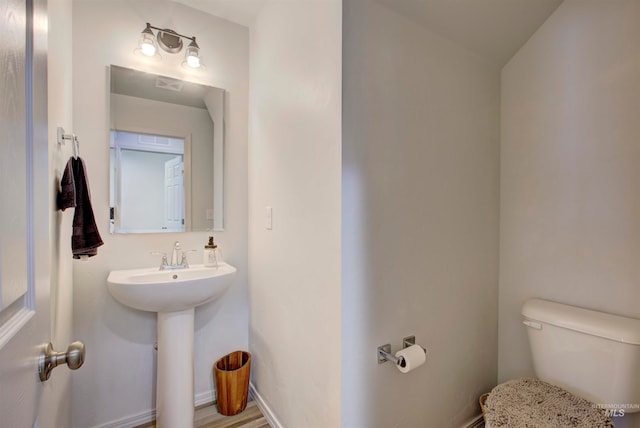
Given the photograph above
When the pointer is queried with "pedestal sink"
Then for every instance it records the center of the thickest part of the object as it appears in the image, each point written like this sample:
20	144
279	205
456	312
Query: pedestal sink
173	294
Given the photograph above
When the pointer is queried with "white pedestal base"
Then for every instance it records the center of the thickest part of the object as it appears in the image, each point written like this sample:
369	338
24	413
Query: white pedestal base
174	390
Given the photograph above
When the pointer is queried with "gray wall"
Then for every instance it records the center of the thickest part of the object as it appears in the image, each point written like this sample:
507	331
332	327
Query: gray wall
420	221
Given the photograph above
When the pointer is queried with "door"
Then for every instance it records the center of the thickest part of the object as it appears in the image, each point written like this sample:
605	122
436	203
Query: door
174	194
24	221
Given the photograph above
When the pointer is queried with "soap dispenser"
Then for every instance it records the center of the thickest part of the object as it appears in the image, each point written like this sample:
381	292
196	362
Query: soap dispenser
211	254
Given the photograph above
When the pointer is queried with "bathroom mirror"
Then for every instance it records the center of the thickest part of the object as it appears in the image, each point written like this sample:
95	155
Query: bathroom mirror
166	148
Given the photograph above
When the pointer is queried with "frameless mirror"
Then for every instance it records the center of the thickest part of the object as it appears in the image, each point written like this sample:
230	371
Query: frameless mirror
167	149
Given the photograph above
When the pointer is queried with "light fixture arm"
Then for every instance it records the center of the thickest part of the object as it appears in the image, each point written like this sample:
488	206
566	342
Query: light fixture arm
193	39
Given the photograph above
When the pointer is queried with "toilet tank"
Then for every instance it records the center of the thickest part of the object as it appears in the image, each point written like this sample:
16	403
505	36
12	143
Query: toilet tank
592	354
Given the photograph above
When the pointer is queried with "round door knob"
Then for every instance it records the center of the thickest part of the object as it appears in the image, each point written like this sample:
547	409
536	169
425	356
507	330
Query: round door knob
50	359
75	355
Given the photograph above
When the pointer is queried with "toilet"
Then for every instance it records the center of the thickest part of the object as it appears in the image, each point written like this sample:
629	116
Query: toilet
586	363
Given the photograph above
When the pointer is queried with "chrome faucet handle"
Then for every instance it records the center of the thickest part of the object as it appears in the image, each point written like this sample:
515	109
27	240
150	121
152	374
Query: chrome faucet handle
164	263
184	261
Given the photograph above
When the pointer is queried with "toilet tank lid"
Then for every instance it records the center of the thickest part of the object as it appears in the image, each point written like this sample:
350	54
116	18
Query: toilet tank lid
608	326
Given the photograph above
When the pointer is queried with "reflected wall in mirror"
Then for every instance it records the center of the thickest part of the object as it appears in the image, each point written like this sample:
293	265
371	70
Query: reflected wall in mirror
167	150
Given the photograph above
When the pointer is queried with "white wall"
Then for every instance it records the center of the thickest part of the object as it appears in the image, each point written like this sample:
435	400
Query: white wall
570	200
420	221
56	399
118	378
294	167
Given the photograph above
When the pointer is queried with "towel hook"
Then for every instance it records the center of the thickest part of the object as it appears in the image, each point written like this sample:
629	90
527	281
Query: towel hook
71	137
76	147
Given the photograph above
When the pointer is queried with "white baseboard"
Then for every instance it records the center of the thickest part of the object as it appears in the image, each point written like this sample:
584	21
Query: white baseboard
262	405
206	397
476	422
130	421
144	417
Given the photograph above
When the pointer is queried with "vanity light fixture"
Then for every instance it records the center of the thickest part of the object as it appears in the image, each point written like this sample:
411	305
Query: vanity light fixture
169	41
147	42
191	56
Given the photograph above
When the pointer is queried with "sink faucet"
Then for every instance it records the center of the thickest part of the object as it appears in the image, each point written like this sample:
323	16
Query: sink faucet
175	255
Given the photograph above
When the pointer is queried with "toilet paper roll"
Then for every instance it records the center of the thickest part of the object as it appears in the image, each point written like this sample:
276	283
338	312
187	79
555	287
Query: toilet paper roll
414	356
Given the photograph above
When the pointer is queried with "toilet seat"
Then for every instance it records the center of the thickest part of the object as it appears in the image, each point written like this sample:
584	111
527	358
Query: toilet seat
532	403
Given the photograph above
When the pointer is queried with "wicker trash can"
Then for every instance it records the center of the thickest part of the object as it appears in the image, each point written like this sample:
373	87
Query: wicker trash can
232	382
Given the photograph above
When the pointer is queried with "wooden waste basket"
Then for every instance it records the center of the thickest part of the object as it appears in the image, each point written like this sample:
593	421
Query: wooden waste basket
232	382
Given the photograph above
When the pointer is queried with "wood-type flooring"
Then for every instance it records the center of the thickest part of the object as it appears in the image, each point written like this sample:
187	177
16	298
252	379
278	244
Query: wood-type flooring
208	417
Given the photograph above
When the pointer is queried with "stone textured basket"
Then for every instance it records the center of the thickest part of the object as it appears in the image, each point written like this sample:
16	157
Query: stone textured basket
482	400
232	382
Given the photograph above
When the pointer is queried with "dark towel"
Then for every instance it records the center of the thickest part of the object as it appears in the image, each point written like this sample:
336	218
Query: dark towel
74	192
67	193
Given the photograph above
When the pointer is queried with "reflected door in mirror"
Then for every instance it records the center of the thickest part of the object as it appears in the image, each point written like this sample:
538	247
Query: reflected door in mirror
148	182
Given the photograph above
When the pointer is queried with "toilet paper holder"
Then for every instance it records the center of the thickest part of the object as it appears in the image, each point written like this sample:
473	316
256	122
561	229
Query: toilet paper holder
384	352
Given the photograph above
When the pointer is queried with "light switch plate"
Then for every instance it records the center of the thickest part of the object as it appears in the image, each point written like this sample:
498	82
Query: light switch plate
268	223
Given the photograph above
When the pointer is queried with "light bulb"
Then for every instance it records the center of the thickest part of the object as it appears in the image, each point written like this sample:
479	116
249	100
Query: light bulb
193	61
191	55
147	42
148	49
